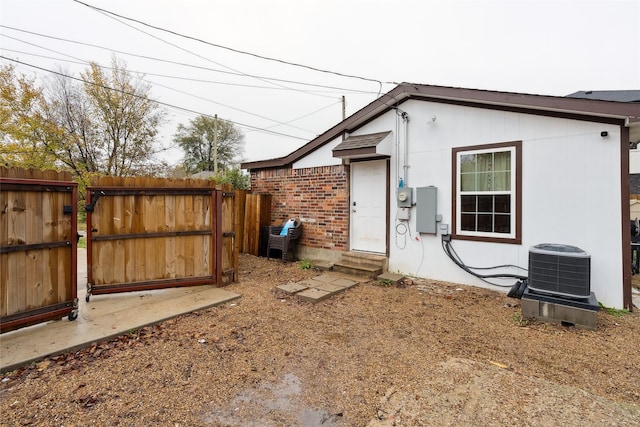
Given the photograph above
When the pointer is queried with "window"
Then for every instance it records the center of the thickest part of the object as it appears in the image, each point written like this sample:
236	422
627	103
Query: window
487	192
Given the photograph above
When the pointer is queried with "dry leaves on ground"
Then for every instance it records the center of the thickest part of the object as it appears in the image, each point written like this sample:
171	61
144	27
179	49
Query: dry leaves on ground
424	353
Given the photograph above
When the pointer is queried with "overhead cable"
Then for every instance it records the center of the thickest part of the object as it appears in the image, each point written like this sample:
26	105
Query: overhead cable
294	64
151	100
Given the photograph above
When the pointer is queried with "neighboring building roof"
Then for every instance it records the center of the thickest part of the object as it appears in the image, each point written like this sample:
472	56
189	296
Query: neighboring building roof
575	108
203	175
608	95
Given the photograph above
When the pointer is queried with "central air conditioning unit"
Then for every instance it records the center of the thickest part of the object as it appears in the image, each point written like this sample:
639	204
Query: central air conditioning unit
560	270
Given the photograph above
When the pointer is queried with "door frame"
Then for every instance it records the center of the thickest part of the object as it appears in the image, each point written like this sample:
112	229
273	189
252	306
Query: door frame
387	200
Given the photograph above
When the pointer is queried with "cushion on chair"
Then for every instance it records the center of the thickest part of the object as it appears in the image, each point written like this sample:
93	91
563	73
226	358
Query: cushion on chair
286	227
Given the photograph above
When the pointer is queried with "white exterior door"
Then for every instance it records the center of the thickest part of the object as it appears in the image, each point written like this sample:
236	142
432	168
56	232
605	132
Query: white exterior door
368	206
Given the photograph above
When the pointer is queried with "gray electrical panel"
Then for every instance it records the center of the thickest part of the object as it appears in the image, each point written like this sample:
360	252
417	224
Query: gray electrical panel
426	209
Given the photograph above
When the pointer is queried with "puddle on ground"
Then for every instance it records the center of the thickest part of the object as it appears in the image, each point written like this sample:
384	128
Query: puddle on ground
271	404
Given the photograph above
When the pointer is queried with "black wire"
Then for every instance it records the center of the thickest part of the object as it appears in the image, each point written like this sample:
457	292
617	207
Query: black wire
486	268
234	50
199	67
446	247
151	100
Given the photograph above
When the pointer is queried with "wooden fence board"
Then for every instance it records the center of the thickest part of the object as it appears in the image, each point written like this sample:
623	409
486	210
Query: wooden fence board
168	237
257	215
38	272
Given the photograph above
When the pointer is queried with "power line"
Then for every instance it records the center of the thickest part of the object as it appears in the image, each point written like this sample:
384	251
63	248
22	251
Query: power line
151	100
198	55
237	50
192	95
151	58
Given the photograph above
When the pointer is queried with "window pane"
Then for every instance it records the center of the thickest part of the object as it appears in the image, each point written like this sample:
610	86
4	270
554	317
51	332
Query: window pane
468	182
485	181
485	203
484	162
503	224
503	203
468	222
502	161
485	222
468	163
502	181
468	204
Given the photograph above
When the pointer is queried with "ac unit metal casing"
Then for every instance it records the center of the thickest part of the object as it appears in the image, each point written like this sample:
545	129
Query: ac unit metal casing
559	270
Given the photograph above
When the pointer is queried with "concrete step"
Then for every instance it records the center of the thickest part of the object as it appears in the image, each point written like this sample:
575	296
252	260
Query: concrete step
365	259
357	269
390	278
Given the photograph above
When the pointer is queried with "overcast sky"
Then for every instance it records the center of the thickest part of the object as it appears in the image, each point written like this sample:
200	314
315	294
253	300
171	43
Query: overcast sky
540	47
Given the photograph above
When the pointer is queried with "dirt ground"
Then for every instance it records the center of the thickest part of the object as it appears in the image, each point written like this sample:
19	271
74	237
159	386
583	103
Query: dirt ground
423	353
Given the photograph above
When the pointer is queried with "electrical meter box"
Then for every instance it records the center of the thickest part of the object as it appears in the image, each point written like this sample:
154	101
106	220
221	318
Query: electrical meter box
426	209
405	197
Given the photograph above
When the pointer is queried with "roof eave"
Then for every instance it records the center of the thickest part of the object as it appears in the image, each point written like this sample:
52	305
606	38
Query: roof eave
553	105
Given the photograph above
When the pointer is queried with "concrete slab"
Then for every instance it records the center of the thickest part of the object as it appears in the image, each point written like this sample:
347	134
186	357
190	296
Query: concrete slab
330	287
292	288
393	277
323	265
314	295
345	283
325	278
558	313
104	317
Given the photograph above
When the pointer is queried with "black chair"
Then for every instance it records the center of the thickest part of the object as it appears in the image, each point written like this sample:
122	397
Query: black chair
286	244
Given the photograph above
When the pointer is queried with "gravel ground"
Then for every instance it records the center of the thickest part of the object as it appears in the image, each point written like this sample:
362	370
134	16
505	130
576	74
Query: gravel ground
423	353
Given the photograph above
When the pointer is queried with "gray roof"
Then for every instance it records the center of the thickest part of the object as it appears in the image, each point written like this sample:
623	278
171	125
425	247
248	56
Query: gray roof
361	141
608	95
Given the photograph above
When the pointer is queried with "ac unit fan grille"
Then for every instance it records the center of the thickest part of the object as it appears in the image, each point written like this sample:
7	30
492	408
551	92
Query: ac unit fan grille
560	275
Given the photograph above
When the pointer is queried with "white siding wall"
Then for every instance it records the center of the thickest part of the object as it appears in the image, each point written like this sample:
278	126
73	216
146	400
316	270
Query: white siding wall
323	156
570	190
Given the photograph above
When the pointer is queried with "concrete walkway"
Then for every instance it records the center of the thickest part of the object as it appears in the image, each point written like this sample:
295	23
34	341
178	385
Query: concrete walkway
322	287
104	317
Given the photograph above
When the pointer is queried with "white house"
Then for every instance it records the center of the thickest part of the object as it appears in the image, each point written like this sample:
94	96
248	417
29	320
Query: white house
491	174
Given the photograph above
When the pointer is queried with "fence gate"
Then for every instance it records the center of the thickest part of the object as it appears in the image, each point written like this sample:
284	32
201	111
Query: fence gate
146	233
38	252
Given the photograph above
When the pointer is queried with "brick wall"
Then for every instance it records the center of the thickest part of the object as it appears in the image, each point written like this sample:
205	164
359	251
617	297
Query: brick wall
319	196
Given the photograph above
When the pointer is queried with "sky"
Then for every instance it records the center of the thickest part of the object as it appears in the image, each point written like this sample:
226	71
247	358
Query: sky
278	69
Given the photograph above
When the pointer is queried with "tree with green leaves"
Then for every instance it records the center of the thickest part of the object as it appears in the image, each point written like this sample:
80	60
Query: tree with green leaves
209	144
28	137
105	124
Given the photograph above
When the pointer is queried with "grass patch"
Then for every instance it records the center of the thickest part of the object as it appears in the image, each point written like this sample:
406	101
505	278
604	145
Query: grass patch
384	282
519	319
306	264
617	312
82	243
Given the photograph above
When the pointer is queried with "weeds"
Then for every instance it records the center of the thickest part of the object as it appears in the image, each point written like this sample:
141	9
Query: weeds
617	312
519	319
306	264
384	282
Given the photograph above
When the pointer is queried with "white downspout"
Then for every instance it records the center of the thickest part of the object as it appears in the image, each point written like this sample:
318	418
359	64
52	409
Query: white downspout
405	166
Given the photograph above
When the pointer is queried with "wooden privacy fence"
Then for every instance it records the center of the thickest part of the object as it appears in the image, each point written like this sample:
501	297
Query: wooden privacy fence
147	233
38	280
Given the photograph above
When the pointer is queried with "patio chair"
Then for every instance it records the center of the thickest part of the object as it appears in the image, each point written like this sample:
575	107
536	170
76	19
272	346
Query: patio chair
285	242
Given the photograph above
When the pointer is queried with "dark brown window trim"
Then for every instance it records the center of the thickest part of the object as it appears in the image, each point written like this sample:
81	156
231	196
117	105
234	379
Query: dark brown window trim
454	197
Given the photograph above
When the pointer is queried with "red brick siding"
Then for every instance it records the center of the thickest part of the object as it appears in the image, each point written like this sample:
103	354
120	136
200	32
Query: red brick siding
319	196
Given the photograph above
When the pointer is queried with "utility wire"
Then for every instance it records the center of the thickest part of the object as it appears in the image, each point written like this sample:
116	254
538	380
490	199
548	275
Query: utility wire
166	61
150	99
278	123
380	83
111	16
